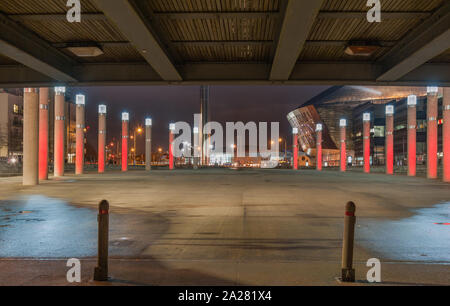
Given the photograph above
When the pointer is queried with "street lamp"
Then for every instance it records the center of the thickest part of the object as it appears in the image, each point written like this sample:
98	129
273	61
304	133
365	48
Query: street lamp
139	131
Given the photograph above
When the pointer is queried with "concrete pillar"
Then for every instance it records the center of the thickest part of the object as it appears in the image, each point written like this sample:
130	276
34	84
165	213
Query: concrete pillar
30	137
446	134
196	147
319	147
171	138
125	121
80	124
343	136
58	148
295	147
366	142
148	144
389	140
412	132
43	133
432	132
101	137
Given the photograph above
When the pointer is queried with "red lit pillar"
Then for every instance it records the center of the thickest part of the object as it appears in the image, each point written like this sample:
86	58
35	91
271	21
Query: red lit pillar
58	148
343	136
319	147
171	159
389	139
43	133
412	126
148	144
366	142
125	120
295	147
432	132
101	137
80	123
30	137
446	134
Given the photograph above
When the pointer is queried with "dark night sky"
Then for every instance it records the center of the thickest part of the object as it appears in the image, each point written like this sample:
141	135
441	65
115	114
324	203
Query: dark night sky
165	104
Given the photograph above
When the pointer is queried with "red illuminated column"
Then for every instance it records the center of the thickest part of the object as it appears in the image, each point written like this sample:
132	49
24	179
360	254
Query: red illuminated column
30	137
58	149
125	120
295	147
80	123
366	142
412	126
171	159
101	137
446	134
43	133
432	132
148	144
319	146
389	138
343	133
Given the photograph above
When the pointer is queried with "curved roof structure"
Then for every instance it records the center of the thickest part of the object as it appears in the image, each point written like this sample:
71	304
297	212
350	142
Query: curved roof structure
224	42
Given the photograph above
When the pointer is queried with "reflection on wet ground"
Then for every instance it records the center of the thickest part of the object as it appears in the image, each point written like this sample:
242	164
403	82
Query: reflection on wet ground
38	226
423	237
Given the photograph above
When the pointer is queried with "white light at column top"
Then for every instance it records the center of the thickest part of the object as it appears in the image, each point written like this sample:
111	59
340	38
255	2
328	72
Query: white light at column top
295	131
125	116
80	99
366	117
148	122
389	109
102	109
343	123
60	90
412	100
432	89
195	130
319	127
172	126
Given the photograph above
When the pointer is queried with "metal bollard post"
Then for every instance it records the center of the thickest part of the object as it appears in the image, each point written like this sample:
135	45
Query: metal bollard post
348	273
101	271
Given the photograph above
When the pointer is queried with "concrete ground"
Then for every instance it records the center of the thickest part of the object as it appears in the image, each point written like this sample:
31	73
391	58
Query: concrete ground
225	227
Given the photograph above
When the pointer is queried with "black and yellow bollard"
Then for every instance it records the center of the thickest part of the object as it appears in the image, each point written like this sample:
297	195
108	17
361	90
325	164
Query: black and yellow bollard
348	273
101	271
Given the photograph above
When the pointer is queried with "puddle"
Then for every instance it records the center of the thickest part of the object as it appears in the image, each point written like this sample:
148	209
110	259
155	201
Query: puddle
423	237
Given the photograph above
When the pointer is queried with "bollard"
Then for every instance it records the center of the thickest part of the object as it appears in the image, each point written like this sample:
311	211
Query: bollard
348	273
101	271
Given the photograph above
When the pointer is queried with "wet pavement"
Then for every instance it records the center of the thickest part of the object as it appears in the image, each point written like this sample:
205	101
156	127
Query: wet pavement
424	237
41	227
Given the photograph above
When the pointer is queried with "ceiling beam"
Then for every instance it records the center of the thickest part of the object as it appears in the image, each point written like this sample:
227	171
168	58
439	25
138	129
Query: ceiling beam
305	73
221	43
217	15
129	22
363	15
428	40
297	23
28	49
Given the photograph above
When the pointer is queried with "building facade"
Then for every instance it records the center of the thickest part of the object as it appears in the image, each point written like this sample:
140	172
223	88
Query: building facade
11	125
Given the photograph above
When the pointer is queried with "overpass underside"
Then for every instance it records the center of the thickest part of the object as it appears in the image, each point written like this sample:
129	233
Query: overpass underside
157	42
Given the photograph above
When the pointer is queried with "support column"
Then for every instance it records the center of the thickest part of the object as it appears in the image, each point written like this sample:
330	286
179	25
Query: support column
319	147
196	147
148	144
432	132
295	147
446	134
43	133
343	134
171	159
31	137
80	124
101	137
412	131
366	142
125	120
389	139
58	148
